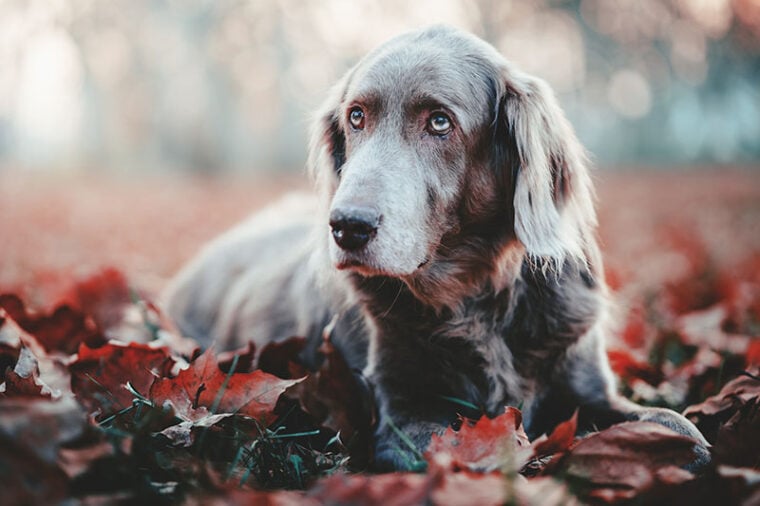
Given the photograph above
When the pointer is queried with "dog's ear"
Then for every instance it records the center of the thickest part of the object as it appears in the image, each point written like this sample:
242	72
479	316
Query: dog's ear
546	168
327	144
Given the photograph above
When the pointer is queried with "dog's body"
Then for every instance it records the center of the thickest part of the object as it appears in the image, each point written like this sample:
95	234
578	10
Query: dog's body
462	269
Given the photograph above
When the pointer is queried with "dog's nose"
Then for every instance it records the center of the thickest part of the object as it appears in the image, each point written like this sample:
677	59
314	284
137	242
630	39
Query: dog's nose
353	227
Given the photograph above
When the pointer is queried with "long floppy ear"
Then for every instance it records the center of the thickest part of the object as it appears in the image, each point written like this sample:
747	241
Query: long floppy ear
553	196
327	142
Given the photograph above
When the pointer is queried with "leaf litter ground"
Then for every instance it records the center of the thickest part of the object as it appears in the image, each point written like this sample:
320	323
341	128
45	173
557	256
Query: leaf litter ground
101	400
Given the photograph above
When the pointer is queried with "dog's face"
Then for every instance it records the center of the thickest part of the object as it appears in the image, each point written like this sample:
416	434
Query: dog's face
433	150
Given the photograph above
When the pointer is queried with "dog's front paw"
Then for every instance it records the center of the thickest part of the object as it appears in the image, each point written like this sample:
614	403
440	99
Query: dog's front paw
681	425
397	459
400	447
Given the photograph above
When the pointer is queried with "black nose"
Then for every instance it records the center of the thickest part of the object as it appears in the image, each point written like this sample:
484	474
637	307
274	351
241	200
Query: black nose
353	227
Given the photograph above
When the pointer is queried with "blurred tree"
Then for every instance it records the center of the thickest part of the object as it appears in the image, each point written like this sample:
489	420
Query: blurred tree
228	85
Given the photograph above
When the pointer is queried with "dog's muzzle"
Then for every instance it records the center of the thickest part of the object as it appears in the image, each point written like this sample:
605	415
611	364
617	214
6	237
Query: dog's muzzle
354	227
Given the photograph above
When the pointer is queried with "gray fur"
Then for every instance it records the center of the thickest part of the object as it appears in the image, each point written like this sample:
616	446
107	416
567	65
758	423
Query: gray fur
483	282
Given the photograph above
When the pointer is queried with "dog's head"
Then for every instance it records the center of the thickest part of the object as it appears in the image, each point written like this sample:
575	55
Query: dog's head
437	155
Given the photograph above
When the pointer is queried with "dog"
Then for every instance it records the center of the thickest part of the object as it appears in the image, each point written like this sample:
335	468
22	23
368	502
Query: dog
452	246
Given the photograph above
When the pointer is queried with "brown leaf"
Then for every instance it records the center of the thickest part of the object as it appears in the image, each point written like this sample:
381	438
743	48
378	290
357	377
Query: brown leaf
28	479
559	440
395	489
628	368
244	362
335	396
63	330
99	375
626	460
23	380
487	444
102	296
203	389
716	410
279	358
467	487
738	441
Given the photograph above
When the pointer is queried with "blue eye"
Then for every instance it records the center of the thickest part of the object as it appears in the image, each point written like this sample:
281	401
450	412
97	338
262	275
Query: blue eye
439	124
356	118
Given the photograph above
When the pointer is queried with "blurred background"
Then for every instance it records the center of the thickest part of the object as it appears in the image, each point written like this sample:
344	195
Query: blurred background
133	131
225	86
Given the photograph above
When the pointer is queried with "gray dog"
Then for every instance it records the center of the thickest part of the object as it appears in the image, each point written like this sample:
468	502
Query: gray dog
452	245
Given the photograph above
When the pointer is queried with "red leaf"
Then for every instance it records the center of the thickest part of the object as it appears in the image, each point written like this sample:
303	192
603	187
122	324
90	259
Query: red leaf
627	367
737	391
396	489
559	440
637	332
738	441
23	380
626	460
714	411
753	354
334	396
200	388
245	359
103	296
63	330
485	444
99	375
279	358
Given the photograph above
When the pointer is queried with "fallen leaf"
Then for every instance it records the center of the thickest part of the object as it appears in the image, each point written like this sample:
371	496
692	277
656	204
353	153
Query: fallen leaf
334	396
626	460
23	380
203	389
99	376
61	331
281	358
243	363
488	444
560	439
102	296
395	489
628	368
738	440
716	410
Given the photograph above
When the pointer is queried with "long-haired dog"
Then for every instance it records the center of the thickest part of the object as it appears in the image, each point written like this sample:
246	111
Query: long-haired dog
453	244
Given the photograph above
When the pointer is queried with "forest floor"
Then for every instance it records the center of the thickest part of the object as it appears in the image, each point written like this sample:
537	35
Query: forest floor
85	415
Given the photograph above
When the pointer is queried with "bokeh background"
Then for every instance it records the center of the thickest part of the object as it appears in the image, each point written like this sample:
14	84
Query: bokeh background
132	131
227	85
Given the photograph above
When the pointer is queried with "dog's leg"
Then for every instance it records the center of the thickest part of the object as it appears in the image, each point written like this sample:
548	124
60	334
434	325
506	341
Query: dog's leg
399	443
585	371
407	419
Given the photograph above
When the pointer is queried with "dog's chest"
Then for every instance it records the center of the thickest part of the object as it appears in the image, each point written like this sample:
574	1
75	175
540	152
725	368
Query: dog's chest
491	362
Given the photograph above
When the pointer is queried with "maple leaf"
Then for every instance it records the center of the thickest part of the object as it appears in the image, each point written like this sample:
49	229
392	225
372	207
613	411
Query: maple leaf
753	354
203	389
487	444
560	439
626	460
441	487
281	358
628	368
62	330
102	296
243	359
99	375
335	396
23	380
738	440
717	409
395	489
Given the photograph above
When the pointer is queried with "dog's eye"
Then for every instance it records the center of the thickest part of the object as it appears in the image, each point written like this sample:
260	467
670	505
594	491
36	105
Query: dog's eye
439	124
356	118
